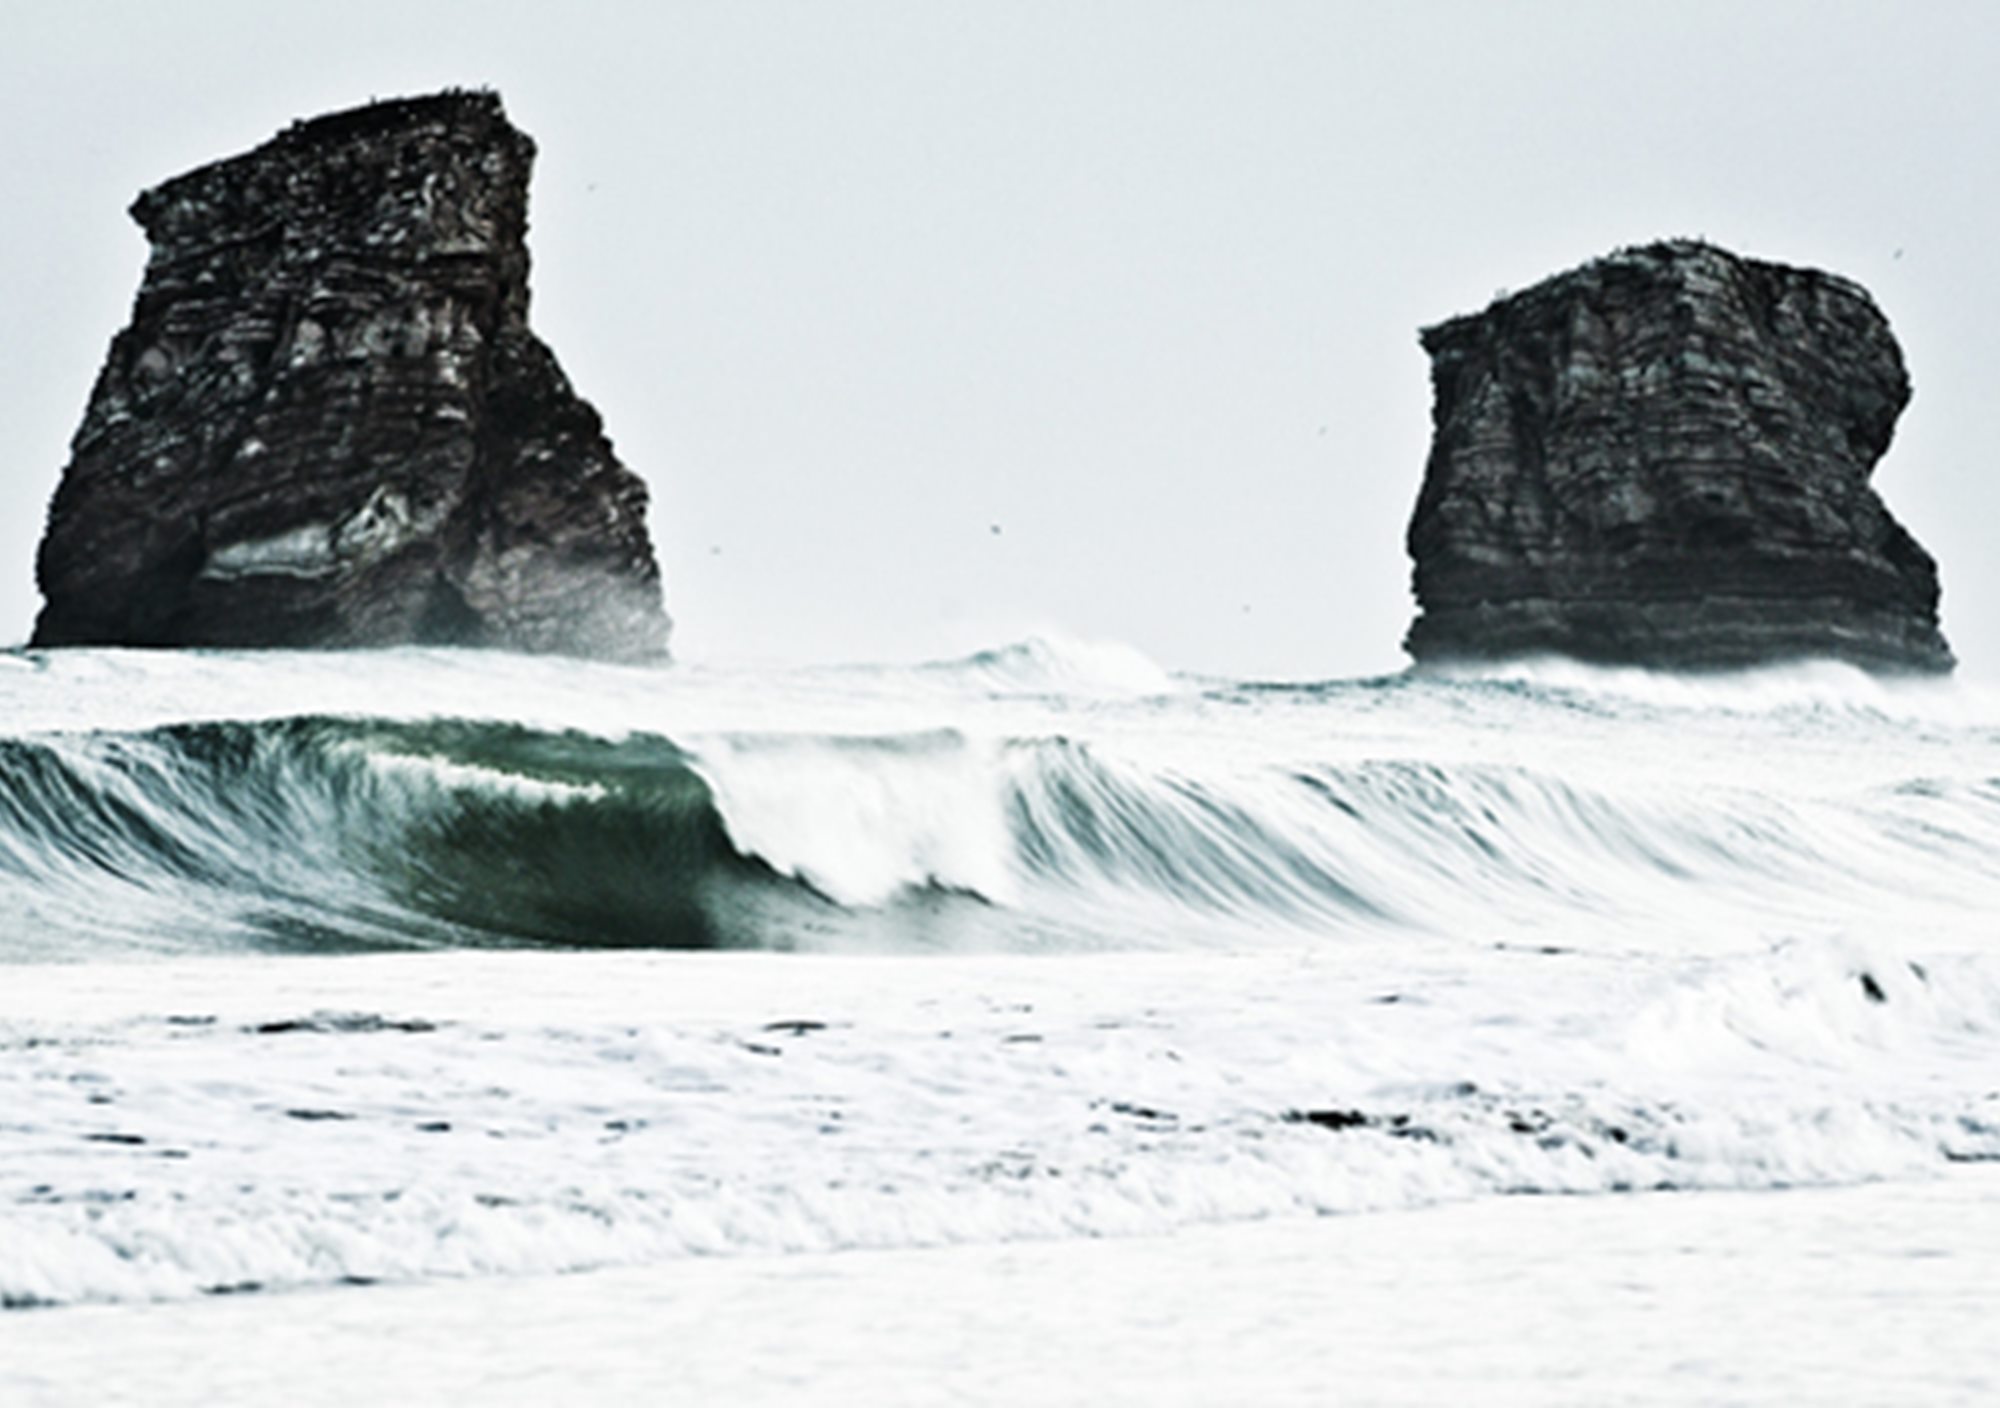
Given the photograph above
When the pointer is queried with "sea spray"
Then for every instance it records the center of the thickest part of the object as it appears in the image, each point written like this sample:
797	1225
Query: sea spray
718	960
1208	816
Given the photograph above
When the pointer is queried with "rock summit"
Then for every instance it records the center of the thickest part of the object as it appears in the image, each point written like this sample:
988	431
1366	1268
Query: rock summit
328	423
1662	459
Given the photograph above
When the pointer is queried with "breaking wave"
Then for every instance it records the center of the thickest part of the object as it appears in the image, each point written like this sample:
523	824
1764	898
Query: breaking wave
1409	939
330	834
1045	664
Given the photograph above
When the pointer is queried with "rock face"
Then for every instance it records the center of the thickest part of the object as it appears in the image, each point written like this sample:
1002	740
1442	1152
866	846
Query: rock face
329	425
1662	459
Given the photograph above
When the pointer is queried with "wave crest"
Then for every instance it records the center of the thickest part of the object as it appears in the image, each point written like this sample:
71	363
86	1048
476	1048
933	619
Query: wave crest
322	833
1056	664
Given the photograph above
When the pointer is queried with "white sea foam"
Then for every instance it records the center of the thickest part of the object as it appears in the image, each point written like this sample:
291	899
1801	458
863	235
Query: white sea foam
862	819
1330	947
447	775
198	1129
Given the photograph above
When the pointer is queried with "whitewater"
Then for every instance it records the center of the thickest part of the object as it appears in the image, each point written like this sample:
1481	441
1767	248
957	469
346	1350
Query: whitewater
376	989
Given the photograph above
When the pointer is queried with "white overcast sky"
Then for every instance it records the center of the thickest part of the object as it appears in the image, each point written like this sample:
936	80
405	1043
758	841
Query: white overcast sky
1138	283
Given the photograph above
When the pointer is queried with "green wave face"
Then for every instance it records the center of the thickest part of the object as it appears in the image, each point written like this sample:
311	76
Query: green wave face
554	838
327	834
335	835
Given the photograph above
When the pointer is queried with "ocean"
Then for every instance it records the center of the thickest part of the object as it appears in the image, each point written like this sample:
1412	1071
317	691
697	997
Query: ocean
328	979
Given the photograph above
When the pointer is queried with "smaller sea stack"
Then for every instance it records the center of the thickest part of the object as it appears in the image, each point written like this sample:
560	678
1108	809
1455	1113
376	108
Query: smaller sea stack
329	425
1662	459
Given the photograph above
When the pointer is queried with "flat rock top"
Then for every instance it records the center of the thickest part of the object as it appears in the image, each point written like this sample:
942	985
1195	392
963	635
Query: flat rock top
328	423
1662	458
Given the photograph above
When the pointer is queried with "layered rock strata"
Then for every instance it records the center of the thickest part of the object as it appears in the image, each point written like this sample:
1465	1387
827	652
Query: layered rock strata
328	423
1662	459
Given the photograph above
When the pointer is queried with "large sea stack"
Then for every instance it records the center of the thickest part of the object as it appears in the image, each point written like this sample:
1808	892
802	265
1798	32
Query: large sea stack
329	425
1662	459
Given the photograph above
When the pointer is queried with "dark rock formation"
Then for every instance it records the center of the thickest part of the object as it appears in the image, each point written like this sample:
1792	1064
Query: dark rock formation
1662	459
329	425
